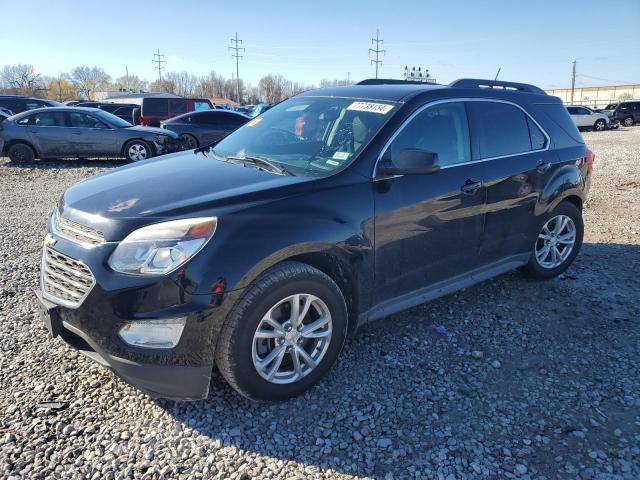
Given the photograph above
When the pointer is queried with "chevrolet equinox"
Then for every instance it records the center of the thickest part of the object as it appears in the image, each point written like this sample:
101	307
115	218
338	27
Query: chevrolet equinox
262	253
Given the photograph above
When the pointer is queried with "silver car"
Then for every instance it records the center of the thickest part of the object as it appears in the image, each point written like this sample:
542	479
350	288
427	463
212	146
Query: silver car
62	132
584	117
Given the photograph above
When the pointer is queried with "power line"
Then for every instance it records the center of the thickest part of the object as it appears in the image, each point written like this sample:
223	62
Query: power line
573	81
378	42
604	79
236	54
158	59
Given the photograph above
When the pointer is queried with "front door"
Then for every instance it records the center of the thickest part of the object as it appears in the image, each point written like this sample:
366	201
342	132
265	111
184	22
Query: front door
428	227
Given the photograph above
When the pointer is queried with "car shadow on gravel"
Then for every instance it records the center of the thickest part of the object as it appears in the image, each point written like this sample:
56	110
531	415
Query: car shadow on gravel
516	359
57	164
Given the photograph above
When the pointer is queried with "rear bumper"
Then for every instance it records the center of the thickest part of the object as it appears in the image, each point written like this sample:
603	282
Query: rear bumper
177	382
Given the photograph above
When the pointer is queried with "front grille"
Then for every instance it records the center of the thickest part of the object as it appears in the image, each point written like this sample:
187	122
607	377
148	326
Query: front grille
64	280
77	233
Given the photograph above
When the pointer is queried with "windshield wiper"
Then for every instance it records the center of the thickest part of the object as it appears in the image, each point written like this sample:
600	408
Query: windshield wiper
260	163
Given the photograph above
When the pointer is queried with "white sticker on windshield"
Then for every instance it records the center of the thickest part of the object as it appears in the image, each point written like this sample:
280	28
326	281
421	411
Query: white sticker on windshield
341	155
382	108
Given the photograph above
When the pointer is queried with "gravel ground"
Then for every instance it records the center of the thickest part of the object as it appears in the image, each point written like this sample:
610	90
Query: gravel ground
532	380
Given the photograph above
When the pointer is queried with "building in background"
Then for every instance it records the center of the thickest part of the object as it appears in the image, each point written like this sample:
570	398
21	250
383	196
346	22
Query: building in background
597	96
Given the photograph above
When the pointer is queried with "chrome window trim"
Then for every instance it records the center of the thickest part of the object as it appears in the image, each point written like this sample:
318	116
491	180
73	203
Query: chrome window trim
460	99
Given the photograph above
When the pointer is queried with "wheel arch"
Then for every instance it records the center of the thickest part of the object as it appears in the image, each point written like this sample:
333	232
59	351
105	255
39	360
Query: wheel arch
16	141
566	184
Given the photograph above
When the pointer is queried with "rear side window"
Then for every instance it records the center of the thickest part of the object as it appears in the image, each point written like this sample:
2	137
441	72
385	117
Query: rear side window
44	119
442	129
177	106
208	118
502	129
538	140
557	113
231	120
31	104
155	106
572	110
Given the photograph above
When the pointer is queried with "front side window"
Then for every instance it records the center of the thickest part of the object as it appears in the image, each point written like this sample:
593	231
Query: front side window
584	111
82	120
502	129
442	129
309	135
199	106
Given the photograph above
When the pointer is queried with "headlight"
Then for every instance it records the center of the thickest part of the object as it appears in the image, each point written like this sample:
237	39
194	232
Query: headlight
161	248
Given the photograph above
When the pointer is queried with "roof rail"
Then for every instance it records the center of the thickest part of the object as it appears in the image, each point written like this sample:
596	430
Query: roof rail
391	81
499	84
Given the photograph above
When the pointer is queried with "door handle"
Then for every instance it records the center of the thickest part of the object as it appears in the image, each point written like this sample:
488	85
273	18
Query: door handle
542	166
471	186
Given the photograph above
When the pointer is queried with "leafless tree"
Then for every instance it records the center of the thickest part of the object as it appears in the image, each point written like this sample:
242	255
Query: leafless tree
211	85
165	87
184	83
130	83
89	80
22	79
274	88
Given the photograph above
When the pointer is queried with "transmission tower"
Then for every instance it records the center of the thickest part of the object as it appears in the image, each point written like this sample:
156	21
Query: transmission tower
236	54
378	43
158	59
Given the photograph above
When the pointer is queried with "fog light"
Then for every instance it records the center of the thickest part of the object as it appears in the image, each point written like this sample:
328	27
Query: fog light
163	333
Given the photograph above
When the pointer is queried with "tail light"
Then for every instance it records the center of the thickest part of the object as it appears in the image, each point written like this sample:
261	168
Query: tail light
591	158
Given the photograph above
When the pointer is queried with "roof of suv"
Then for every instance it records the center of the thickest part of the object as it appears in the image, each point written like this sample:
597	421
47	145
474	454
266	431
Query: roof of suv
399	90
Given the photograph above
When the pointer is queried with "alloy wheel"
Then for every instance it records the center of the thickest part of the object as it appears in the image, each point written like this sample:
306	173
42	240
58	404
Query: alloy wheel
292	338
600	126
628	122
555	241
137	152
188	142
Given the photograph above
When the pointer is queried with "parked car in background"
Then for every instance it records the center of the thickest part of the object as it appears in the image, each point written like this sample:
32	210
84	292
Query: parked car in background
201	128
3	116
156	109
260	109
122	110
627	113
335	208
6	112
584	117
19	104
60	132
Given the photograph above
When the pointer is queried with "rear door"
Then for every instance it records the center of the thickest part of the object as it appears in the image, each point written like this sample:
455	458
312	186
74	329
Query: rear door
585	117
48	133
518	162
210	126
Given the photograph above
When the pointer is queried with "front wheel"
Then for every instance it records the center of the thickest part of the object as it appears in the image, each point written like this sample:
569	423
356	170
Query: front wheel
558	242
284	334
600	125
137	150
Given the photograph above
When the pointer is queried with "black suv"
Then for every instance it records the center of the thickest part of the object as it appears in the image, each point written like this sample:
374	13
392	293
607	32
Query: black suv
334	208
19	104
627	113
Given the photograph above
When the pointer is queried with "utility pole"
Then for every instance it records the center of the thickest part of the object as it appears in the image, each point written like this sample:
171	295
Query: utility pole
573	81
378	43
158	58
236	54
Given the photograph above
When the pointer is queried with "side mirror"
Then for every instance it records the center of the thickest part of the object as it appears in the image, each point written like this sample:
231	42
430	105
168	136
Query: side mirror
411	161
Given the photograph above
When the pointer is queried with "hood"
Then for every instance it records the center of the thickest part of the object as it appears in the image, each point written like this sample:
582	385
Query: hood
152	130
171	185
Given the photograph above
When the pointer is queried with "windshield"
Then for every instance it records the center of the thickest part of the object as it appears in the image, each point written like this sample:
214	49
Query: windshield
309	135
112	120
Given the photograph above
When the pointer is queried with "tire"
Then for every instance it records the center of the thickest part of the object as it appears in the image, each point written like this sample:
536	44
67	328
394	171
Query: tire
536	268
600	125
137	150
188	141
237	347
628	122
21	152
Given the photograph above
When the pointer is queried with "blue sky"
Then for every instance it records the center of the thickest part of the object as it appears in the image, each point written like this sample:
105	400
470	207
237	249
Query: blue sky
533	41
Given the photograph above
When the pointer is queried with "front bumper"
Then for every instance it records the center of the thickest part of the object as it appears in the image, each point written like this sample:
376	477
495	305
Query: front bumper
169	145
177	382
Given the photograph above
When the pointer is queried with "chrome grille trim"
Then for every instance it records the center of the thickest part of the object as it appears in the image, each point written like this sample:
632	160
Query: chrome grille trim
86	236
64	280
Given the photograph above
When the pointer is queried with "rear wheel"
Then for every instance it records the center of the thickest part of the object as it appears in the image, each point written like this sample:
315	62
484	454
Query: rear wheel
189	142
600	125
284	334
137	150
558	242
628	122
21	152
